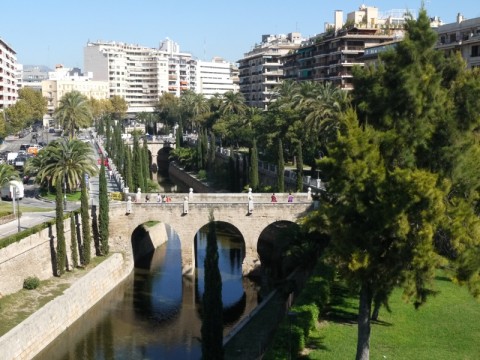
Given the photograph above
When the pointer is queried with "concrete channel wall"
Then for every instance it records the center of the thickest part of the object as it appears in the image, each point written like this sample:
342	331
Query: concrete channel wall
32	335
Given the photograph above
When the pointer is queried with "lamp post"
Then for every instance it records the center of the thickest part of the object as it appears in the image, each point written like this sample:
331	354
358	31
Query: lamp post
15	200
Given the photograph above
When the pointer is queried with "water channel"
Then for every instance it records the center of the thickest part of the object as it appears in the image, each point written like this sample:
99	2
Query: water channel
155	313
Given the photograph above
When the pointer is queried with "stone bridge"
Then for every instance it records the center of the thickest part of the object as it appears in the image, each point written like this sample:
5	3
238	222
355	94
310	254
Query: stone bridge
228	208
159	148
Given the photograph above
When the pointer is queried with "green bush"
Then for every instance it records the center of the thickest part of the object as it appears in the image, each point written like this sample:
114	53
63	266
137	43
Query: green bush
202	175
289	339
31	282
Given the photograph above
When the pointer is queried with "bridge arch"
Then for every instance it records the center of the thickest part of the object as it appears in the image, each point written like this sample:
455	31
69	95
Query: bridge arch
228	208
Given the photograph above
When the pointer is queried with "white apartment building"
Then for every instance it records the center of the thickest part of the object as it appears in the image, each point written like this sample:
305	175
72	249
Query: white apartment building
463	36
140	74
8	75
261	69
215	77
64	80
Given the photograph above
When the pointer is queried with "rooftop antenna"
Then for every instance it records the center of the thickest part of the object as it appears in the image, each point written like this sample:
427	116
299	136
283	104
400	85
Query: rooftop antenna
204	49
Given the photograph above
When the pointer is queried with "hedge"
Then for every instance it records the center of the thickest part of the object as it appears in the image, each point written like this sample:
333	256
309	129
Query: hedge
290	337
27	232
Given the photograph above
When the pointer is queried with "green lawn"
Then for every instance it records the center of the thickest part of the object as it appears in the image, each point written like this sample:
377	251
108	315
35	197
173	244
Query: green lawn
73	196
446	327
7	206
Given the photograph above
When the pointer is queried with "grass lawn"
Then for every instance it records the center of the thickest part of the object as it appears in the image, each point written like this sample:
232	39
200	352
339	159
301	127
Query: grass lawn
446	327
73	196
7	206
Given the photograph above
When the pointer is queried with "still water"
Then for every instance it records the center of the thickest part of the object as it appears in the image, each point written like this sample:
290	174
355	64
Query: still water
155	313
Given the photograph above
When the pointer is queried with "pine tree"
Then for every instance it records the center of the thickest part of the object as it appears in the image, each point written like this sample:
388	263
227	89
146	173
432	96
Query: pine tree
212	309
254	184
86	234
280	168
73	241
61	246
103	218
299	167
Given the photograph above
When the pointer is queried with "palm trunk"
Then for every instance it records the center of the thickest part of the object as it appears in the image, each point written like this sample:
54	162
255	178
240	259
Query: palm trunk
364	311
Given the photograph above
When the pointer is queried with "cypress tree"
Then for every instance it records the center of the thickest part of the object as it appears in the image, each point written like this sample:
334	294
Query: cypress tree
212	314
204	148
61	246
73	241
128	171
299	167
103	218
199	153
146	164
179	136
87	237
280	168
137	165
254	166
211	153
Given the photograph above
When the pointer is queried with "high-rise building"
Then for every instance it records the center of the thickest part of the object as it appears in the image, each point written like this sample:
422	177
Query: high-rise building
332	55
261	69
8	75
140	74
461	36
215	77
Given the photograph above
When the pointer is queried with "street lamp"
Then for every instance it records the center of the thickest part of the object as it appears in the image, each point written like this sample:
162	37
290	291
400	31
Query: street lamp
14	198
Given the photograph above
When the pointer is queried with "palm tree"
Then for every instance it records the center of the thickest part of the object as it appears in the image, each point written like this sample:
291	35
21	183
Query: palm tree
323	109
233	103
74	112
7	173
195	107
69	161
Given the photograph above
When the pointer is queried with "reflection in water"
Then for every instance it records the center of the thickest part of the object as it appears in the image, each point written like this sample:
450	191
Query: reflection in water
154	314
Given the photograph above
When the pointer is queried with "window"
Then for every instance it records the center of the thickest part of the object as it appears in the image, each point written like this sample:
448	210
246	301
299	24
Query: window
475	51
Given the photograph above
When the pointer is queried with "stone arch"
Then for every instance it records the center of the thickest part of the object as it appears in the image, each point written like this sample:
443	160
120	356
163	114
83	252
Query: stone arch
272	242
162	160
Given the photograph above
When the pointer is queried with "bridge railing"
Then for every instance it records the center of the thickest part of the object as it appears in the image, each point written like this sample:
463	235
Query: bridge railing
213	198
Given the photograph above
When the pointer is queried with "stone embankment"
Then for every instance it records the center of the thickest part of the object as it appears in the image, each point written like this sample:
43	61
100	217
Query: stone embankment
32	335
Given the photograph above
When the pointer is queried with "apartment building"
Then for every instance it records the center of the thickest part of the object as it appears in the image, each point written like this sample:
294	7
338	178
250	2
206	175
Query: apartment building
461	36
64	80
261	69
215	77
140	74
8	75
332	55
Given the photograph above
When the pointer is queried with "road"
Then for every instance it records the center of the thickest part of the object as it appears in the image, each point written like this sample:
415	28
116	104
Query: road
29	219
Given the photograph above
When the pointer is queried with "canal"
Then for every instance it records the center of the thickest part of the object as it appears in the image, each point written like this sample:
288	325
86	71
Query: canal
156	313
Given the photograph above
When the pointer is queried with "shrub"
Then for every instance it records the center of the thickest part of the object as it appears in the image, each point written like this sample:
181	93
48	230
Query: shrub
31	282
202	175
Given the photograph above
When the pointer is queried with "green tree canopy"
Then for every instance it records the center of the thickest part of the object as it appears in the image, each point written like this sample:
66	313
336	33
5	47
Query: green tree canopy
74	112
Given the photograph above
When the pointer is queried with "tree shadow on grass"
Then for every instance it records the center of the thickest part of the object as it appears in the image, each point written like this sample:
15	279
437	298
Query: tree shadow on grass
342	307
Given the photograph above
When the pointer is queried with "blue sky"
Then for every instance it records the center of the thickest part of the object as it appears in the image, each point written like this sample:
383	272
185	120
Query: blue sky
49	32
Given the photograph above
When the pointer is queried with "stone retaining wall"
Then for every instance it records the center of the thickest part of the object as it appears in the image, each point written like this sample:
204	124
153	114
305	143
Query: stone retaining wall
32	335
31	256
178	173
